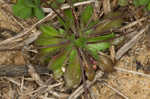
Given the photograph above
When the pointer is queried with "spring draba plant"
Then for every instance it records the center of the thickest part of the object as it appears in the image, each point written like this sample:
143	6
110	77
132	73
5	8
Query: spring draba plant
75	42
28	8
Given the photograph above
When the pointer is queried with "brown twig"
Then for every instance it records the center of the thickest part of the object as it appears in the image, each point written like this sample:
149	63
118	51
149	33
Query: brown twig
20	70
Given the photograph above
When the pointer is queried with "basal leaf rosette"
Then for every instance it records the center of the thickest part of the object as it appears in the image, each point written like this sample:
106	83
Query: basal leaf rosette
73	45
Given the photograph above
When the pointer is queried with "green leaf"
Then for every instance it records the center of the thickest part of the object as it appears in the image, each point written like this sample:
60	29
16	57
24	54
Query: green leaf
141	2
49	31
22	11
90	31
74	1
61	31
99	46
86	14
69	19
113	15
57	62
20	2
46	42
136	3
92	23
37	2
92	52
107	25
62	23
29	3
60	1
123	2
46	53
48	38
144	2
54	5
101	38
148	7
38	12
93	49
72	75
80	42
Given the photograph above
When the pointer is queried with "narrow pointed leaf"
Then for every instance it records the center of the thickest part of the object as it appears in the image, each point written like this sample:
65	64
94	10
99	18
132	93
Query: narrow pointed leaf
44	40
93	49
49	31
37	2
38	12
26	12
20	2
69	19
93	22
99	46
57	62
136	3
148	7
113	15
29	3
101	38
74	1
123	2
93	53
107	25
143	2
72	75
80	42
46	53
86	15
60	1
47	38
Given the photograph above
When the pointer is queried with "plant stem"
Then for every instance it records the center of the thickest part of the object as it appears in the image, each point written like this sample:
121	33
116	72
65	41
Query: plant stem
83	76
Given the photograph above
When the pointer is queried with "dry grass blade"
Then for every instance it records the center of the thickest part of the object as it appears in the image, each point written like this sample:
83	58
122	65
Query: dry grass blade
14	82
106	6
117	91
66	6
34	75
130	71
44	89
12	39
130	44
133	23
80	89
